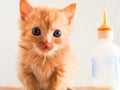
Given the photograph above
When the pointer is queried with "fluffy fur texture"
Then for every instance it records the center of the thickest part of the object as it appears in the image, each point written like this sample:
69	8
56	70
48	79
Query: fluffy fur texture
48	68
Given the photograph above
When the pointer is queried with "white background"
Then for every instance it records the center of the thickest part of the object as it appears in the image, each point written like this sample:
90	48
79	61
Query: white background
88	18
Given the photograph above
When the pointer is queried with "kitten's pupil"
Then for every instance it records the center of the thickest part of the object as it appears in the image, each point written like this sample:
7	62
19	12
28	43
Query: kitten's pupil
57	33
36	31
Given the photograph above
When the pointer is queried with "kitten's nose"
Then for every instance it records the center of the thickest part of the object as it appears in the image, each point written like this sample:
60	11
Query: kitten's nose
45	43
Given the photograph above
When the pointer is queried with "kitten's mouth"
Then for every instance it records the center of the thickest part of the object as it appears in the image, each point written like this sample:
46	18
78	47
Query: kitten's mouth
43	49
46	47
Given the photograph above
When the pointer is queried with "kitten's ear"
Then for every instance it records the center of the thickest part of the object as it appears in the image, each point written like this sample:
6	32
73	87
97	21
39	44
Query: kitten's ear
25	9
69	12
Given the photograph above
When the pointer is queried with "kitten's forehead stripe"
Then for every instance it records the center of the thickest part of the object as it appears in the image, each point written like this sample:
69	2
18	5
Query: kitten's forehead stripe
48	16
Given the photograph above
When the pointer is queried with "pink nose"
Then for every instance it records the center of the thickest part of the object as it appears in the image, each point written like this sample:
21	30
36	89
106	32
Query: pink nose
45	43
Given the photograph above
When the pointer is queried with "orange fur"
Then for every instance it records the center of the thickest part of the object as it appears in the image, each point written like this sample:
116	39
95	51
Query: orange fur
41	69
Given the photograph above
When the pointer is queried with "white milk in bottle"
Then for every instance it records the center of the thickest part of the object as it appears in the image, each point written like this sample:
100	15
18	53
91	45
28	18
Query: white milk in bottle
105	60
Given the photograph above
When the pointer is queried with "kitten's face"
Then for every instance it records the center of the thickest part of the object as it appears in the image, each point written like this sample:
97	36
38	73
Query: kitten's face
45	30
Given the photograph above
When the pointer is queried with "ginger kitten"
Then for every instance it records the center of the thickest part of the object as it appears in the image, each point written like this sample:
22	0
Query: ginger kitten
46	61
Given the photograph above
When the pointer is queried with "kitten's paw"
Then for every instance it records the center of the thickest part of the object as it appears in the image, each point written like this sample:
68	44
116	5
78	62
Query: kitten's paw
42	89
69	88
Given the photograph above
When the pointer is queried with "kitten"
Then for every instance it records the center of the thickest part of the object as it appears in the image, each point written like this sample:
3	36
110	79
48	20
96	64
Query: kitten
46	61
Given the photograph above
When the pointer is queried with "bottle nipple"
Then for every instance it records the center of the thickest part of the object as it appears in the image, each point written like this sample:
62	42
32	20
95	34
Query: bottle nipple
104	26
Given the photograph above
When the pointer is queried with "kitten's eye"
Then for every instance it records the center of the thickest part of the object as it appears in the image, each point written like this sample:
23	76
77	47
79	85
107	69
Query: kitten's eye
36	31
57	33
